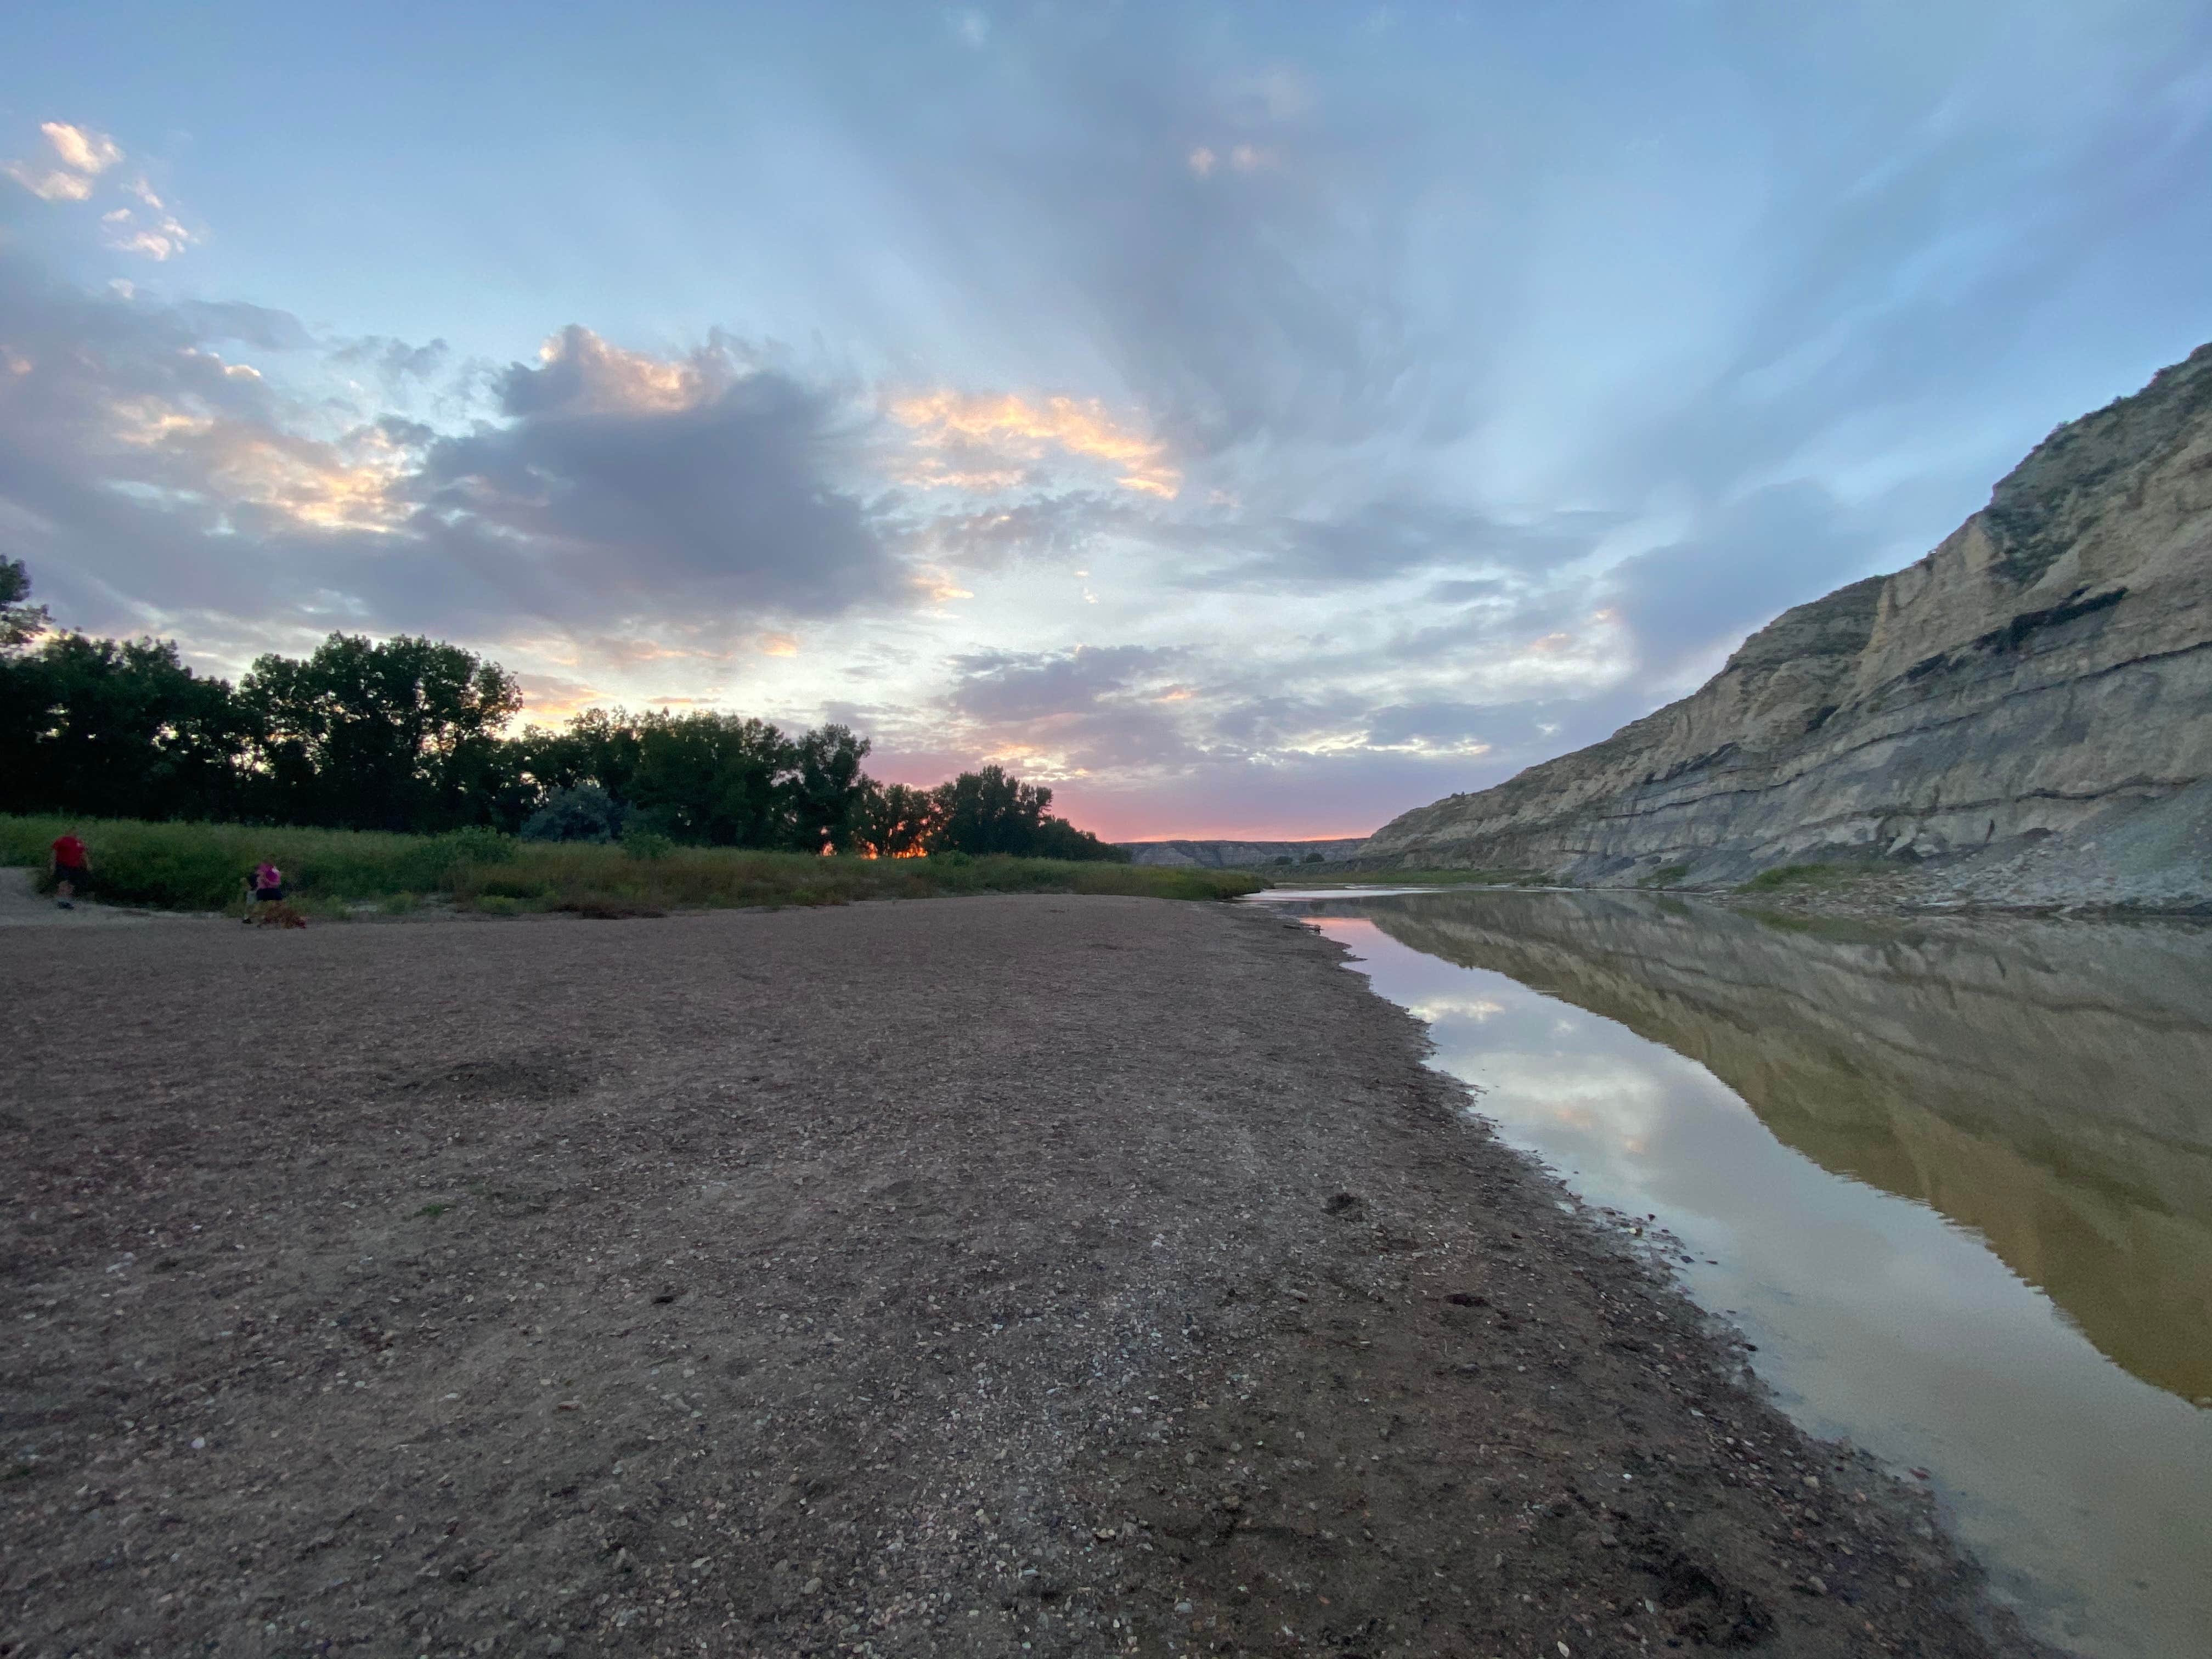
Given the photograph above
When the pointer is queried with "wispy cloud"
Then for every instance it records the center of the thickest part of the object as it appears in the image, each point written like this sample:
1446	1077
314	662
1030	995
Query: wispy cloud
76	159
79	157
1010	430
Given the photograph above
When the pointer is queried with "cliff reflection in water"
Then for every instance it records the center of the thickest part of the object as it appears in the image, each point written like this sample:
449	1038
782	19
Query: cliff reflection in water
2043	1083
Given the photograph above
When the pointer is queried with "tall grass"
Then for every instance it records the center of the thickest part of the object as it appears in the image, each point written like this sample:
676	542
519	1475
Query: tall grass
202	866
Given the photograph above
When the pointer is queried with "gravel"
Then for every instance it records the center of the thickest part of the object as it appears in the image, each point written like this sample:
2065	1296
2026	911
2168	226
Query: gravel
978	1276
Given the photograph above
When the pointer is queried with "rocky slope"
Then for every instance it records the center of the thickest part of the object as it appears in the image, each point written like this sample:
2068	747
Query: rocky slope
2030	706
1238	854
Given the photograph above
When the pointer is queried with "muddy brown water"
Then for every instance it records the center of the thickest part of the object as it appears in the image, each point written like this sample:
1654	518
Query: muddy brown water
1952	1177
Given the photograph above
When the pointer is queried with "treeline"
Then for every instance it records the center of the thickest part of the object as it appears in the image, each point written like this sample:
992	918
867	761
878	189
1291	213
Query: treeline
410	734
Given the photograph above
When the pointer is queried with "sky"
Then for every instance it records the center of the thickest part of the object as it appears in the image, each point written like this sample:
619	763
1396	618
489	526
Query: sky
1250	420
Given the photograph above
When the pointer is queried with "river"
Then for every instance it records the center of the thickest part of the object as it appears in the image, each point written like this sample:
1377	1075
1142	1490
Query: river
1952	1177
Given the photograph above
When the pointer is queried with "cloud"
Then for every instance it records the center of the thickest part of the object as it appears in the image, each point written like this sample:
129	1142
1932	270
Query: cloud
80	157
89	152
1003	686
402	369
986	434
603	485
1260	422
1691	600
157	236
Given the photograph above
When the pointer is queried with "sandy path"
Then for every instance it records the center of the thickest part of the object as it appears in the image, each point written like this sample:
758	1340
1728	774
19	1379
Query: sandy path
983	1276
21	905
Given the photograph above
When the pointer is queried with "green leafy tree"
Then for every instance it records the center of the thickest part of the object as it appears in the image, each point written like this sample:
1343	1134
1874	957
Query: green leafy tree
600	748
584	812
114	728
896	821
988	811
1057	838
21	622
826	798
401	735
712	779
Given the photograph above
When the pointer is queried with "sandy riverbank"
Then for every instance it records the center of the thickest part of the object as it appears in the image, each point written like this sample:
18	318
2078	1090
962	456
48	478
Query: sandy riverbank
1074	1274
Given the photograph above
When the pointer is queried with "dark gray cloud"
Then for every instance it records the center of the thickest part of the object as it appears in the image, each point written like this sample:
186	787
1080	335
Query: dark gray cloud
637	481
147	469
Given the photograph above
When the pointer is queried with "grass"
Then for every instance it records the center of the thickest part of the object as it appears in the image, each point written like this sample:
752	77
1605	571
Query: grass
1804	875
202	866
1668	875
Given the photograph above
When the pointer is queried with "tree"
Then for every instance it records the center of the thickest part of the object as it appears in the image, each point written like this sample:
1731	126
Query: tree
713	779
404	735
600	748
21	622
896	822
826	799
585	813
115	728
1057	838
987	811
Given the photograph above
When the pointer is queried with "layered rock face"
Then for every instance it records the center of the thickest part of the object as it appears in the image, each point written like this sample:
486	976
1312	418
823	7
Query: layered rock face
2030	704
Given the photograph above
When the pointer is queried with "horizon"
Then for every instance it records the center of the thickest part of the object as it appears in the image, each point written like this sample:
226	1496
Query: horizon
1223	417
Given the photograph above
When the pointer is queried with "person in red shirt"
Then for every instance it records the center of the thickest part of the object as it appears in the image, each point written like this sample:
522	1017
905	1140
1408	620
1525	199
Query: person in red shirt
72	868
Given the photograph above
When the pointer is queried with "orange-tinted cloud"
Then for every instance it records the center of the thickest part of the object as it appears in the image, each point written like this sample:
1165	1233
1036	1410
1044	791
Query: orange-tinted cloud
1006	427
345	483
80	157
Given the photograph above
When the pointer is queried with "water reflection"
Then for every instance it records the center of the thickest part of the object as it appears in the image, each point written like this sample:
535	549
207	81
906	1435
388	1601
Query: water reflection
1954	1177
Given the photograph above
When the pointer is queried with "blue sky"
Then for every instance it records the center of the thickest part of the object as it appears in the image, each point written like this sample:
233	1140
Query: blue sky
1249	419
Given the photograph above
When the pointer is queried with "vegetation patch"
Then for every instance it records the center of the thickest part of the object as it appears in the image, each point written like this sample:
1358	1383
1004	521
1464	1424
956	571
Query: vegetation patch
202	866
1804	875
1668	875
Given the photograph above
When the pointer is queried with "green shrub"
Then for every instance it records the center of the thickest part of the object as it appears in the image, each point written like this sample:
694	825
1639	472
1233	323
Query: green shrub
1802	875
646	846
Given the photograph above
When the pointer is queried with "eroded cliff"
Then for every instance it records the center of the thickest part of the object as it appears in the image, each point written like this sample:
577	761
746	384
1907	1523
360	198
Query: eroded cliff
2030	705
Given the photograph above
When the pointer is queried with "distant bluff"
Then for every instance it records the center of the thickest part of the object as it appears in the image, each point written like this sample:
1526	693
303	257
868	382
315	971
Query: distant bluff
2027	709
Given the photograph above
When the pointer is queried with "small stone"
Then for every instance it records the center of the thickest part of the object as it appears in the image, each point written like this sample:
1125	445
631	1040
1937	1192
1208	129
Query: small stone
1185	1608
811	1586
198	1444
1232	1504
1817	1584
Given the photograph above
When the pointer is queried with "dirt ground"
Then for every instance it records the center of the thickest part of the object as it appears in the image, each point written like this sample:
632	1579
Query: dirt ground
978	1276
